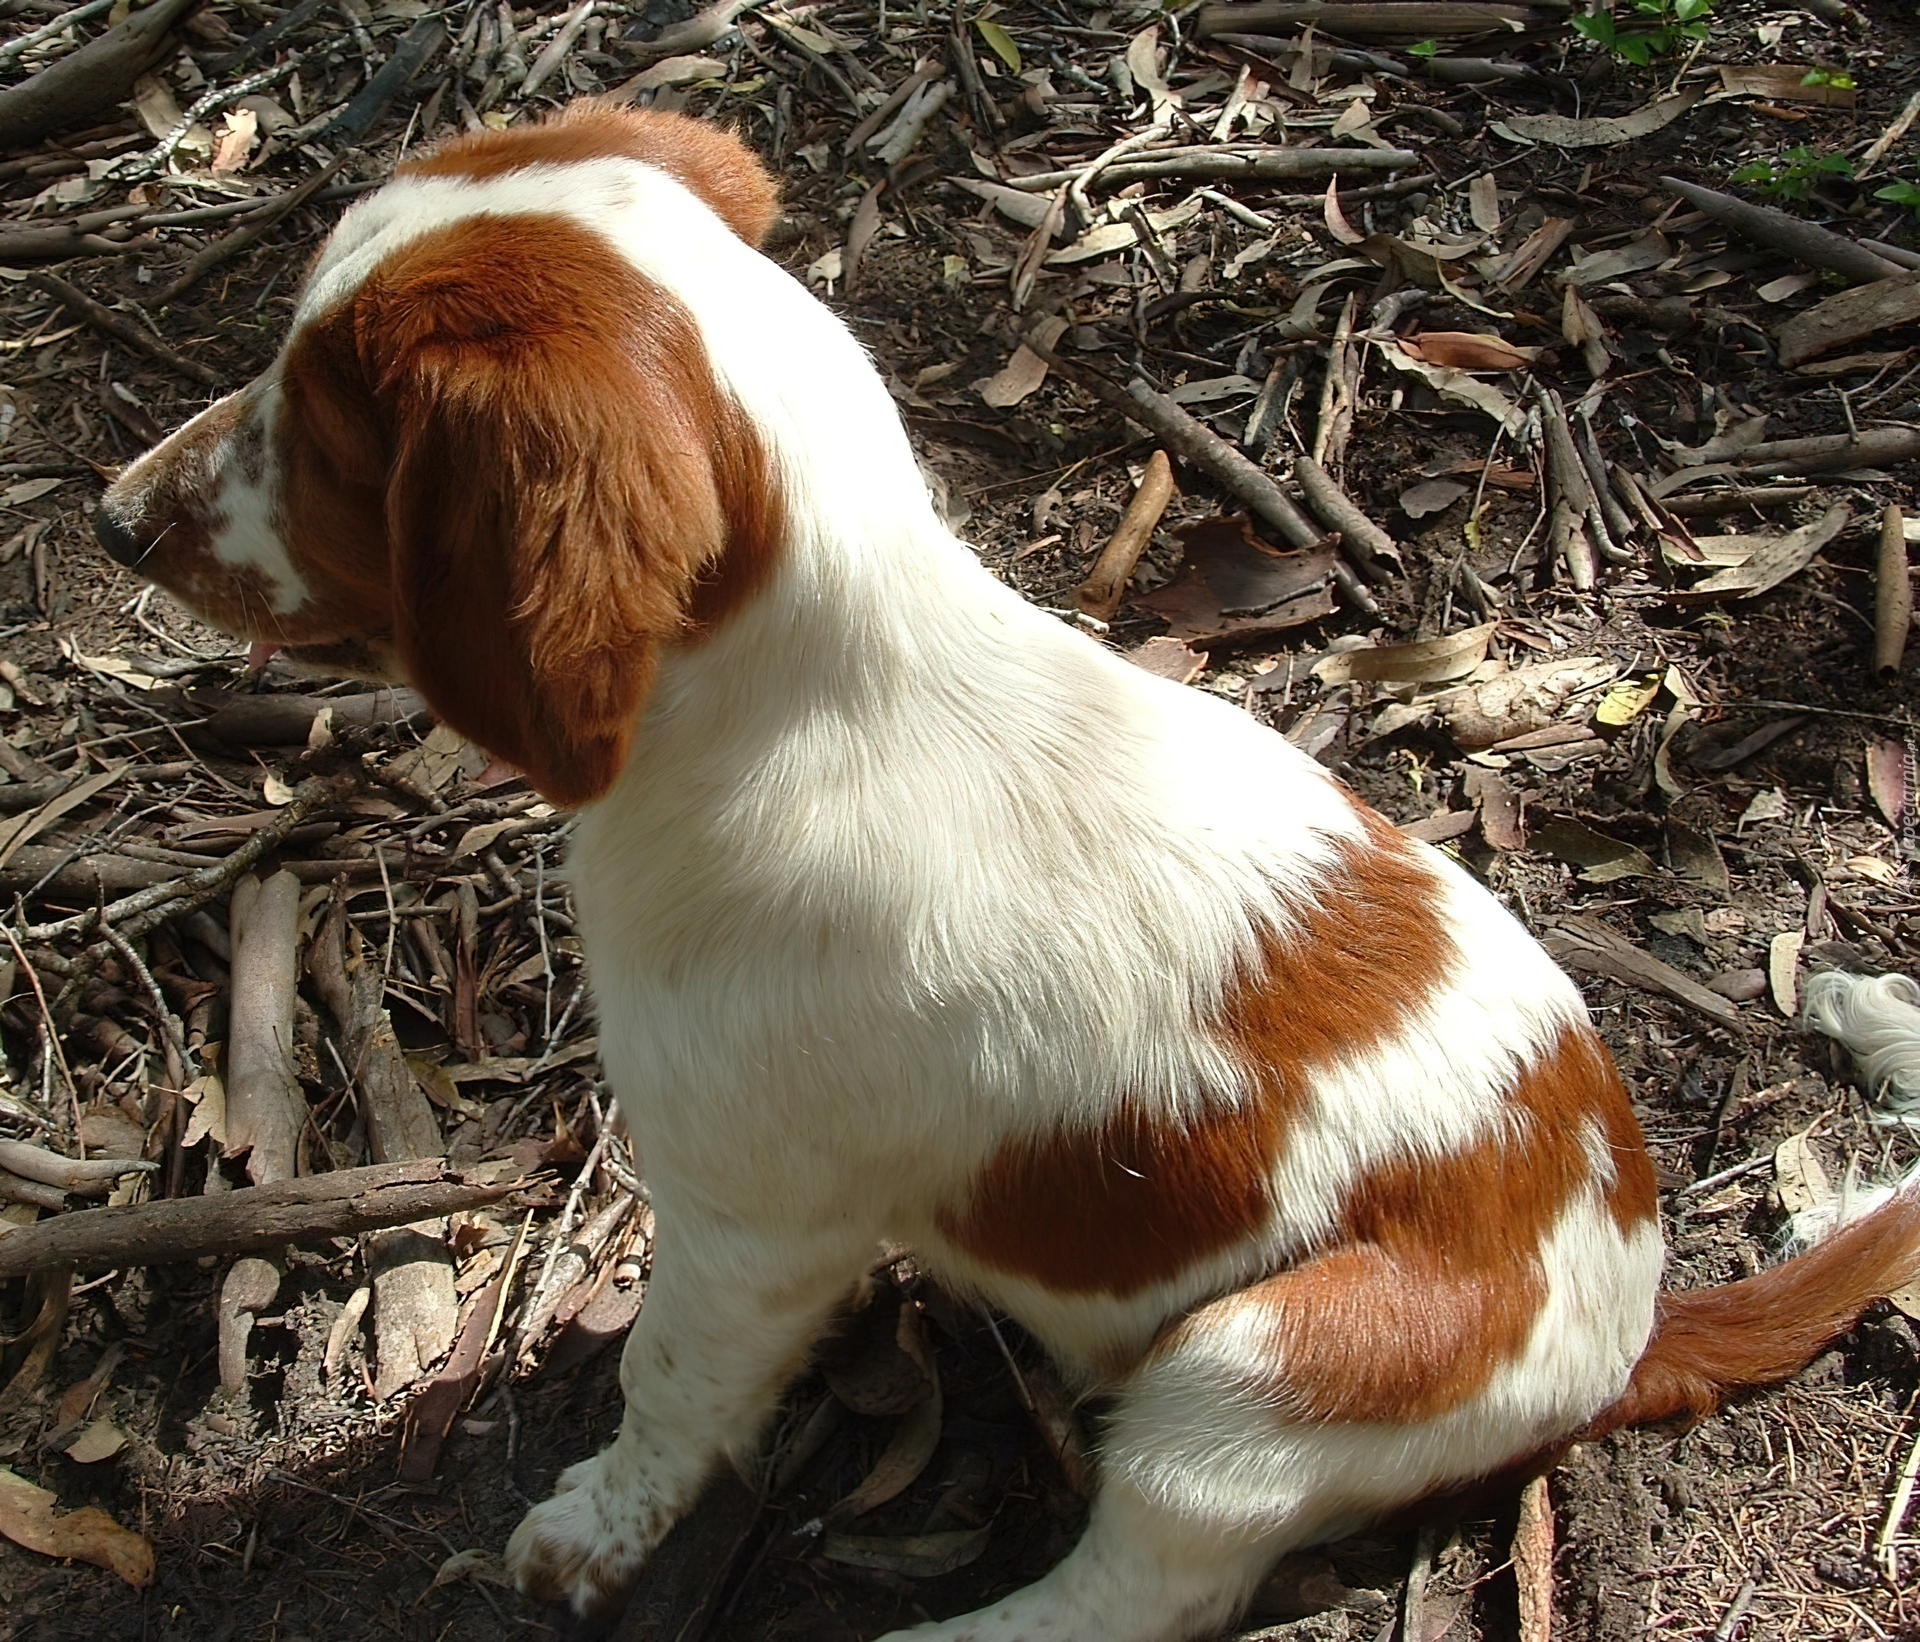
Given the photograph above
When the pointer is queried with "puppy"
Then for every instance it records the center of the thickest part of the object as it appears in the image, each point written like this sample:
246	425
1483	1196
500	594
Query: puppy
915	915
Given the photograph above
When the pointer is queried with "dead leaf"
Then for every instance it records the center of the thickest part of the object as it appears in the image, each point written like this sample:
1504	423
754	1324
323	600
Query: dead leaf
1483	202
18	831
1423	661
1770	805
676	71
99	1441
900	1462
1771	564
1337	225
1627	700
1783	971
236	140
1784	83
1500	808
1599	858
1799	1177
917	1556
1430	496
1025	371
1468	351
28	490
1229	581
1887	781
1169	658
475	1564
154	102
865	224
1600	132
1457	384
1518	701
1848	316
87	1535
1645	251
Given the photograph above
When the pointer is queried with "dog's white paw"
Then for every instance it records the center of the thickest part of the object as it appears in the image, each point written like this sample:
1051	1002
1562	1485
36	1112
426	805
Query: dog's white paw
586	1545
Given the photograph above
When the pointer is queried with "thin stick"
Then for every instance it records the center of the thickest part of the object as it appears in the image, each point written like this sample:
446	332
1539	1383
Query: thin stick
1884	1552
1099	595
123	330
146	910
1893	598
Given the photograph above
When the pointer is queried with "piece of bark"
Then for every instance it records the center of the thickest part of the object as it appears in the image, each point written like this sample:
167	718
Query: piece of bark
1805	241
19	1189
1893	601
699	31
1849	316
415	1308
123	330
415	47
341	1204
1335	509
265	1106
90	80
1824	453
86	1177
1533	1562
1582	944
281	721
1100	594
1207	450
431	1414
1713	504
249	1289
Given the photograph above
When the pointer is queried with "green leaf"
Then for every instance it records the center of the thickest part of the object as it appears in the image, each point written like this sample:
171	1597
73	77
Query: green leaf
1635	50
1427	48
1001	41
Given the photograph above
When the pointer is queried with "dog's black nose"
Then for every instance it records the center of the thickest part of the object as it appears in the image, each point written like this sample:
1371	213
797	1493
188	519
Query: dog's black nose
122	547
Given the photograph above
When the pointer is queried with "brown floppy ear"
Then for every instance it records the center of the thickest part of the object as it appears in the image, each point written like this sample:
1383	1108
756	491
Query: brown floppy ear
562	478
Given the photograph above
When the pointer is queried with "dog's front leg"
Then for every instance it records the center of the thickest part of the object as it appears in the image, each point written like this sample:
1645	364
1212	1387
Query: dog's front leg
729	1314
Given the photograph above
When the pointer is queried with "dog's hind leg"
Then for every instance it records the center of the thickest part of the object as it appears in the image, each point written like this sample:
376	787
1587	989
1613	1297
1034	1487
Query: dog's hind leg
729	1314
1321	1399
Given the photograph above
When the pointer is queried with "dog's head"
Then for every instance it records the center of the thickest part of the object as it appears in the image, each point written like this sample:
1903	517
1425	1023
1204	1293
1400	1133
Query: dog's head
492	456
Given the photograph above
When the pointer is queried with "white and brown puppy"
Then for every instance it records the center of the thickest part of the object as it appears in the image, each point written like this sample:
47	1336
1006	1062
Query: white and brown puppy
915	915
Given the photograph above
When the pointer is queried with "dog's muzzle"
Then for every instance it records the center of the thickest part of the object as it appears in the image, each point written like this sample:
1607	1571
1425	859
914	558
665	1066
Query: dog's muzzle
122	546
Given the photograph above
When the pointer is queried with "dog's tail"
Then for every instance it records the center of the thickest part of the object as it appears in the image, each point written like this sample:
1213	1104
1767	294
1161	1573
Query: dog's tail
1765	1329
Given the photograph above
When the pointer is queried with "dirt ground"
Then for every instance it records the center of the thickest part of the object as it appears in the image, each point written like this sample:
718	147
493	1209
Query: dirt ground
1752	808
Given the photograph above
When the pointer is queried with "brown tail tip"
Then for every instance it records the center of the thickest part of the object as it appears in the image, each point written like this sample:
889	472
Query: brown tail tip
1765	1329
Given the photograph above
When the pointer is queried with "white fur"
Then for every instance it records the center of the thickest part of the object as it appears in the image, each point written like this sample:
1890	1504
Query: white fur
901	869
1878	1018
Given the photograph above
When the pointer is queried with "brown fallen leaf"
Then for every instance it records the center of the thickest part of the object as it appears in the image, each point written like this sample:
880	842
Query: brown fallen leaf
1887	781
1770	565
1468	351
1424	661
899	1465
87	1535
1230	582
1430	496
1025	371
1169	658
1784	82
1602	131
1600	859
1499	806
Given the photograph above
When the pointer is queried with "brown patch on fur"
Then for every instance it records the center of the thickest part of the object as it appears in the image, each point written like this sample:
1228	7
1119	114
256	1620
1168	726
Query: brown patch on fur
567	478
509	452
1148	1193
1765	1329
712	162
1434	1280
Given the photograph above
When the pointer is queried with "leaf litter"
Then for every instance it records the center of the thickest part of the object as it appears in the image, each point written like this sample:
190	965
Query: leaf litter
1610	663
